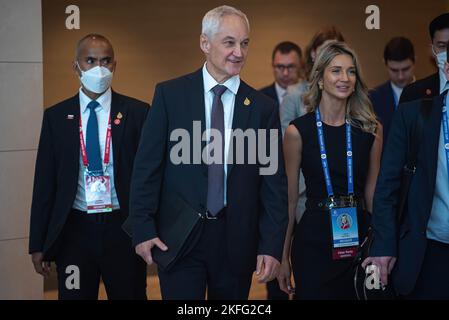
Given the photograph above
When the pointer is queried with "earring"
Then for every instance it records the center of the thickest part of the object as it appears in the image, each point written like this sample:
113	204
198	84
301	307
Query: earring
320	85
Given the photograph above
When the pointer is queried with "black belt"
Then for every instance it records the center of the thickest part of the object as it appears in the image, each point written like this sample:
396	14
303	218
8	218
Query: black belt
324	204
209	216
101	218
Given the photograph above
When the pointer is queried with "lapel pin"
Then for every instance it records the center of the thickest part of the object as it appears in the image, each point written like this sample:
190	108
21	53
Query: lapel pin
119	115
117	122
428	92
70	117
247	102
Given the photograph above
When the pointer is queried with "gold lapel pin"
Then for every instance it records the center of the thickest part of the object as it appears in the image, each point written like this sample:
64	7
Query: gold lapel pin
119	115
247	102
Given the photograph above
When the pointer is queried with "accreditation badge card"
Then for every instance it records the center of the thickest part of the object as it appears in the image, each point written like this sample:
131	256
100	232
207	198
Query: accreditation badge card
98	194
345	233
97	185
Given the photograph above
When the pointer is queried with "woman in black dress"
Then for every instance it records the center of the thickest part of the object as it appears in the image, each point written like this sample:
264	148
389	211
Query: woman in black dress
337	144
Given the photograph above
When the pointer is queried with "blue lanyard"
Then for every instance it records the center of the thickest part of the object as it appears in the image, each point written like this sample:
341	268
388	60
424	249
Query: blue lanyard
327	176
445	130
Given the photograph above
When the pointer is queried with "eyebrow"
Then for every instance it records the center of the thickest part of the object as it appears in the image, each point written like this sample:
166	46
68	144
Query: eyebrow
94	58
340	67
232	38
397	69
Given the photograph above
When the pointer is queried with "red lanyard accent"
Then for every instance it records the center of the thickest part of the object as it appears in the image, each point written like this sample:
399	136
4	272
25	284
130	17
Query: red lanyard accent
107	149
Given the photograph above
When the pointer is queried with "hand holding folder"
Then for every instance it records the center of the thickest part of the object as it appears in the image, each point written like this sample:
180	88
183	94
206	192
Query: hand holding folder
144	249
177	227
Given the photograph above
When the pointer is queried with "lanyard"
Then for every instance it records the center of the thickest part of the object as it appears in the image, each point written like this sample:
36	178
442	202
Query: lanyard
445	130
107	148
327	176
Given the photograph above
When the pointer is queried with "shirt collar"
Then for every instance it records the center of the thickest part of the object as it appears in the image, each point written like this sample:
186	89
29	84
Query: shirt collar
280	91
232	84
104	100
397	90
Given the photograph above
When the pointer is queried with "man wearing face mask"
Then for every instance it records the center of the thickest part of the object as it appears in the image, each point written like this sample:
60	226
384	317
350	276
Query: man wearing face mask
81	186
435	84
415	250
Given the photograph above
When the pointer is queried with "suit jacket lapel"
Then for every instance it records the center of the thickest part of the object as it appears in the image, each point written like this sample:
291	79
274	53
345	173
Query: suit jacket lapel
436	83
197	108
274	92
72	120
119	112
391	100
242	110
390	103
432	138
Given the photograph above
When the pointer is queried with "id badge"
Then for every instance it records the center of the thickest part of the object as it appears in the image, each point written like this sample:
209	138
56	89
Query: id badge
98	194
345	232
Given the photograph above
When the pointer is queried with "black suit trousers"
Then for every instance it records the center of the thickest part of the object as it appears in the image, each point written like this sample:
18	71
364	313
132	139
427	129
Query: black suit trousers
433	280
205	268
99	248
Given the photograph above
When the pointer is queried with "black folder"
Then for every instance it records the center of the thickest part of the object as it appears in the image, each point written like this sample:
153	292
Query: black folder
176	221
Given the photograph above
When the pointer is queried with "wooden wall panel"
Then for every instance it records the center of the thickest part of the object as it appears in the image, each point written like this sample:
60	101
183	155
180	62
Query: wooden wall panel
159	39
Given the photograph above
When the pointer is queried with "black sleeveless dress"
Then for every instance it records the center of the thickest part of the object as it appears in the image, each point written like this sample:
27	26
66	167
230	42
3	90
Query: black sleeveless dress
316	274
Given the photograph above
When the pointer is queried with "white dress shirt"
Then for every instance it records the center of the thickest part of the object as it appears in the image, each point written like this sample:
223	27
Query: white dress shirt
397	91
280	92
102	112
228	100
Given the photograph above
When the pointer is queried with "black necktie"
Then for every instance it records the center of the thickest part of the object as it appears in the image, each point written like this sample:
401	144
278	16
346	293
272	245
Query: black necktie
215	181
93	141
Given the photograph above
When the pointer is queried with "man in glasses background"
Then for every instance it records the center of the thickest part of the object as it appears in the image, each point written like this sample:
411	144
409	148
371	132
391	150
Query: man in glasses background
287	69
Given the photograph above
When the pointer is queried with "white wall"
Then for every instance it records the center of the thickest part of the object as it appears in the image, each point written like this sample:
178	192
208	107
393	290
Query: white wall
21	107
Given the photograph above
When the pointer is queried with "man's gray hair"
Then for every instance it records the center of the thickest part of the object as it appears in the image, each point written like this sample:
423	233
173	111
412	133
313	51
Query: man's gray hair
212	19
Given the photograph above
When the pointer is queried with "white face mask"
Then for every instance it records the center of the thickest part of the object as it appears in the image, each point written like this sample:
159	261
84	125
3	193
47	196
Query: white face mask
97	79
440	58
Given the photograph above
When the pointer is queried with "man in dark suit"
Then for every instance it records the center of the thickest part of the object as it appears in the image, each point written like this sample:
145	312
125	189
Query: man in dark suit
435	84
416	251
399	58
286	61
80	197
243	211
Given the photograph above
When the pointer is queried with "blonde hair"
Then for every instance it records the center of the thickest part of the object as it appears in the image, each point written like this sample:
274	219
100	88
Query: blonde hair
359	110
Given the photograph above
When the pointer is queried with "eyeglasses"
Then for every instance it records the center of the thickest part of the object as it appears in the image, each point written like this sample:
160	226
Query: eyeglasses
282	67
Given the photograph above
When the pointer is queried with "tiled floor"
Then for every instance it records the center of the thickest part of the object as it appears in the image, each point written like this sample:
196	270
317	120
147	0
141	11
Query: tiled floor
258	291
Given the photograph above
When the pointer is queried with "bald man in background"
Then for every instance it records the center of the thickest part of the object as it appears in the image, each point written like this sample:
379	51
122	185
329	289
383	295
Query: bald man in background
81	186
